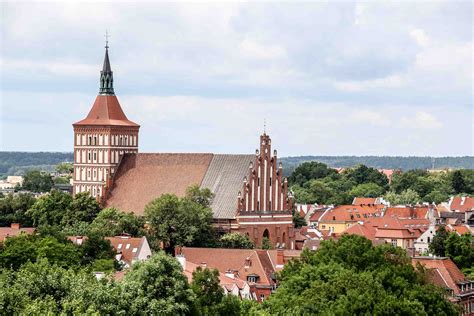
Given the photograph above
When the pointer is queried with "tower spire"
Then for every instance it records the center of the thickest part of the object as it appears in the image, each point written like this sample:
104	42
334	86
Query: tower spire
106	75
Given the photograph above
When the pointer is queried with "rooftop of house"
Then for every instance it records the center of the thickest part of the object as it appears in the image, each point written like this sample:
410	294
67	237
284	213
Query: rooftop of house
14	230
408	212
347	213
444	272
461	203
365	201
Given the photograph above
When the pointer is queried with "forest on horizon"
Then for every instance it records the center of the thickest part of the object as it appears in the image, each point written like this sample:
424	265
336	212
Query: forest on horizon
17	163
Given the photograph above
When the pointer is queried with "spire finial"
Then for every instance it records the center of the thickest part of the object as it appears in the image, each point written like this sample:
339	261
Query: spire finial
264	126
106	39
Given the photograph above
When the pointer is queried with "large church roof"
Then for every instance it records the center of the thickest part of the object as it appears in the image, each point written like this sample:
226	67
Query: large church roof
106	111
142	178
225	179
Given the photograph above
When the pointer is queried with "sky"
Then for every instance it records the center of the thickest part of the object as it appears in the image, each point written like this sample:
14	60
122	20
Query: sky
329	78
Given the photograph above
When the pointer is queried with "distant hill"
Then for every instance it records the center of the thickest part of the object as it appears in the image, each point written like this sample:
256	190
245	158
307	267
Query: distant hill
16	163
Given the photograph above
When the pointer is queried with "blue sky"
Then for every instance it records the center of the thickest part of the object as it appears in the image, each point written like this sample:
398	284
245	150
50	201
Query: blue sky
359	78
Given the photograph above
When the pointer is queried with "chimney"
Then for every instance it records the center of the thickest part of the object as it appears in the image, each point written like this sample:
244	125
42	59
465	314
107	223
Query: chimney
15	225
182	260
248	263
280	258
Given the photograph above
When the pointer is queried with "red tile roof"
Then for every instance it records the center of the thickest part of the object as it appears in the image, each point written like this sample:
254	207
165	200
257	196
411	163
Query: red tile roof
364	201
224	280
460	229
14	230
462	204
365	230
348	213
142	178
316	215
448	271
128	247
407	212
106	111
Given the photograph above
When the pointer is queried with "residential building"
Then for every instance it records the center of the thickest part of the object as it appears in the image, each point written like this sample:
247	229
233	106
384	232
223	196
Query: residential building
369	201
338	219
445	274
461	203
255	266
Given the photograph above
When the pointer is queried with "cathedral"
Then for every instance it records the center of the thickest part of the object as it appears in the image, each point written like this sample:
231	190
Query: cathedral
250	193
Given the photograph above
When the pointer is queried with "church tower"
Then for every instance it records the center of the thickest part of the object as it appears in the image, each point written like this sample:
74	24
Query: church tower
101	139
264	207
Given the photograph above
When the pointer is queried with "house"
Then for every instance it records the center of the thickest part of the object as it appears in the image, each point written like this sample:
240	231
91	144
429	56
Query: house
230	283
316	215
129	249
422	243
255	266
338	219
419	211
445	274
460	229
9	184
14	230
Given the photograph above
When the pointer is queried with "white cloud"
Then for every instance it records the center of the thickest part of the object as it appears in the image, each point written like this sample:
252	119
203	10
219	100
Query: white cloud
420	37
421	120
393	81
252	49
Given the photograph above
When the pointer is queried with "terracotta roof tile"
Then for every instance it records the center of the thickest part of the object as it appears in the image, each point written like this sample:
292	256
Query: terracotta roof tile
106	111
142	178
347	213
128	247
364	201
462	204
407	212
6	232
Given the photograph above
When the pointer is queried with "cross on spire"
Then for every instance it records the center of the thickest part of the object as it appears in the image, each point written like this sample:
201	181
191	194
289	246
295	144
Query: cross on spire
106	39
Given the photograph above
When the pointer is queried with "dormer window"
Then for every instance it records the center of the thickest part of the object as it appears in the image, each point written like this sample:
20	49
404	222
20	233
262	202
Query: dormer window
252	278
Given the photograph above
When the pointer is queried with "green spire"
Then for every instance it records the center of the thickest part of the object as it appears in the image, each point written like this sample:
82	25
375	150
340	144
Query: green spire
106	75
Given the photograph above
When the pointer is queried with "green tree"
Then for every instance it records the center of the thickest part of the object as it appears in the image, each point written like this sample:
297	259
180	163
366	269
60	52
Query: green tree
176	221
407	197
310	171
157	287
37	181
64	168
363	174
352	277
83	208
266	244
371	190
208	292
235	241
460	249
113	222
13	209
458	183
200	196
298	220
438	244
96	247
51	208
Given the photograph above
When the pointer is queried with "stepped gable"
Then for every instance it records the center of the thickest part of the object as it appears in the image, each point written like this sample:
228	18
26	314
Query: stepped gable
106	111
224	179
142	178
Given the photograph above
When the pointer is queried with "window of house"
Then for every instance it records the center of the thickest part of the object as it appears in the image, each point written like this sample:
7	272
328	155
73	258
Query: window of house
334	218
127	246
262	297
394	242
134	250
323	227
252	279
119	246
429	239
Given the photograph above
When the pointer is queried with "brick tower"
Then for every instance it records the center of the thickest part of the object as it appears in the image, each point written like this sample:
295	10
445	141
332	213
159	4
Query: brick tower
102	138
264	207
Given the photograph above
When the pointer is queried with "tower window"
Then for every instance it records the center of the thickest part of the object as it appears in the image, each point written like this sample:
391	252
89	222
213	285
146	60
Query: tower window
89	140
95	140
89	156
95	156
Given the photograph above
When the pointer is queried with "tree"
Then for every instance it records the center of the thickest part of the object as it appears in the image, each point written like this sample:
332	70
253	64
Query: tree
370	190
407	197
37	181
298	220
113	222
235	241
460	249
310	171
13	209
352	277
83	208
200	196
209	294
64	168
266	244
437	245
96	247
51	208
176	221
157	287
458	183
363	174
